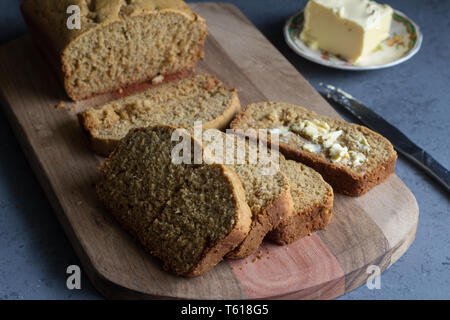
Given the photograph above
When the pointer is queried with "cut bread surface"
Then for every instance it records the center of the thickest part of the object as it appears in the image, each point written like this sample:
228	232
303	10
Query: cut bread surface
350	157
119	42
313	203
188	215
266	188
178	103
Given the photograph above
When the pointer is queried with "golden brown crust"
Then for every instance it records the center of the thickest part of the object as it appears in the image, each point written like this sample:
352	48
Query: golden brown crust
269	218
303	223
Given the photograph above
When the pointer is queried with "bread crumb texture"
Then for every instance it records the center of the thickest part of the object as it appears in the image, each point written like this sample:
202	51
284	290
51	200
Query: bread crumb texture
260	189
179	103
268	195
307	186
313	203
179	212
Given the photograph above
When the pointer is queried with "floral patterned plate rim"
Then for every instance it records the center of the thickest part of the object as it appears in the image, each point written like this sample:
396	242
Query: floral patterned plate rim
404	41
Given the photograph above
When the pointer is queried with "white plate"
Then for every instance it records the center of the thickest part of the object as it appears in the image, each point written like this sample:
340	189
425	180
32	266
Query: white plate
404	41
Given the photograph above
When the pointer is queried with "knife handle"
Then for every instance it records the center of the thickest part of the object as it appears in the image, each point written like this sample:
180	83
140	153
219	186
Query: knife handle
433	168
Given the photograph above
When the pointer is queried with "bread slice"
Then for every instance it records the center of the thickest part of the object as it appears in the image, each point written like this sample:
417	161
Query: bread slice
188	215
350	157
313	203
116	43
267	189
180	103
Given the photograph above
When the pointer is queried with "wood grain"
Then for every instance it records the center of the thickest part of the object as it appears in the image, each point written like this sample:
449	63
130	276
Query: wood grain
374	229
308	262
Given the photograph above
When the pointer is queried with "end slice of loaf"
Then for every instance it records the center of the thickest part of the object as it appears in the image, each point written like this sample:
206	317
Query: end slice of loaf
313	203
350	157
180	103
188	215
267	190
116	43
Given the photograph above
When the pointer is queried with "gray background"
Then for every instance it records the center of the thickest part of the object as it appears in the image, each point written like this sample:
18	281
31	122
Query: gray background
414	96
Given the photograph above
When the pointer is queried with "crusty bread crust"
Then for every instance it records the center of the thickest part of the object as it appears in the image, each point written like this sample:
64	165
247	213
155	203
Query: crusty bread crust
342	179
213	255
303	223
104	147
269	218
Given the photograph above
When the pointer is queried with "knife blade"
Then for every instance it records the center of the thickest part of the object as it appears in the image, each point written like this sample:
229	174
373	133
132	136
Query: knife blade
399	140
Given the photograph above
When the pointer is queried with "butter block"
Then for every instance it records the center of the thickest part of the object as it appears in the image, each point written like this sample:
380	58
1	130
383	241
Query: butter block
349	28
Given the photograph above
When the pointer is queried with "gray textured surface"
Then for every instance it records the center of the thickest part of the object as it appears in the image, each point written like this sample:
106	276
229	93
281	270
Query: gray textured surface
414	96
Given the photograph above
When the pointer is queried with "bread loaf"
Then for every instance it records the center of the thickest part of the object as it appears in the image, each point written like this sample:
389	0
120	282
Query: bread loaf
118	42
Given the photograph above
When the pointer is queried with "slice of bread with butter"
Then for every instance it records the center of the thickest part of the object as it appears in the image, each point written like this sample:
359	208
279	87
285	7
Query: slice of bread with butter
350	157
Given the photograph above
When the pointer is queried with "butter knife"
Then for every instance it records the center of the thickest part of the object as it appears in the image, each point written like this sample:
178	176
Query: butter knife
400	141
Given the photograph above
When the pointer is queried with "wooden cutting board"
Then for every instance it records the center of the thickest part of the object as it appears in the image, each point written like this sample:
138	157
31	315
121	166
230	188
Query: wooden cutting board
375	229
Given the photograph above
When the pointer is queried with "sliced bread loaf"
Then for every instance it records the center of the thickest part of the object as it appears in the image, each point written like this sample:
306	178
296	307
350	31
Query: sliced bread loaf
188	215
313	203
350	157
179	103
103	45
267	189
